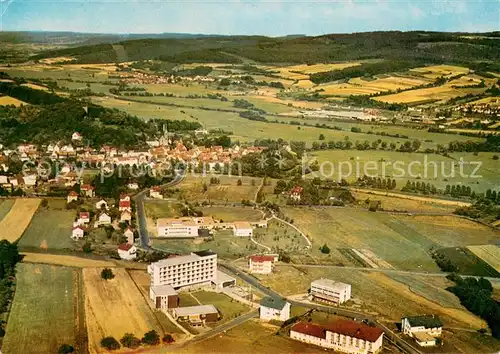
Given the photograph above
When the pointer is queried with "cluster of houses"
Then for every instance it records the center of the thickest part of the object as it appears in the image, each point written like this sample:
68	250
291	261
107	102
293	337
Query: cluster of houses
491	108
140	78
190	227
82	224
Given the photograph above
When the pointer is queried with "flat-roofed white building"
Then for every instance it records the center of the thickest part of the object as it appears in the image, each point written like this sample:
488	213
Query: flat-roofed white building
183	227
164	296
242	229
329	291
196	315
193	270
342	336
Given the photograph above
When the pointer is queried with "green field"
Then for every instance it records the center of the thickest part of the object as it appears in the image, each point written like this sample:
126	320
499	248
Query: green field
42	317
192	188
229	214
467	262
5	205
411	166
161	209
224	244
280	236
49	229
228	308
401	240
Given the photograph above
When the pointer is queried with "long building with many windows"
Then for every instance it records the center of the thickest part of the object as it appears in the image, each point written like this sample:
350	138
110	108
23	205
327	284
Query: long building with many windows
196	269
329	291
343	335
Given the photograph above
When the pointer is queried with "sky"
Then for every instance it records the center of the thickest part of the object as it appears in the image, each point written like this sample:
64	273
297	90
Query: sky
245	17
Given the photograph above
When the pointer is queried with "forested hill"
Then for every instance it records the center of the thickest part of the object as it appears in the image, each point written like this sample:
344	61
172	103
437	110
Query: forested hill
51	118
432	47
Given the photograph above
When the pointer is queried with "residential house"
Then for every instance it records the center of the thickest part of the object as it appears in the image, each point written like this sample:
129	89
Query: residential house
124	205
77	233
87	190
296	193
126	216
342	335
129	234
274	309
329	291
133	186
103	219
101	204
424	329
83	218
242	229
155	192
76	136
127	251
72	197
196	315
261	264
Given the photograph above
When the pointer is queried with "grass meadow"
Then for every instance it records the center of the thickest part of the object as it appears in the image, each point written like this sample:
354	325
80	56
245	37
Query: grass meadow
5	206
42	316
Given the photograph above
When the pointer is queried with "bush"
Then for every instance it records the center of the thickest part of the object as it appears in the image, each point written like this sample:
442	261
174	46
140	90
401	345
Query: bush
167	338
44	203
152	338
107	274
65	349
87	247
110	343
130	341
325	249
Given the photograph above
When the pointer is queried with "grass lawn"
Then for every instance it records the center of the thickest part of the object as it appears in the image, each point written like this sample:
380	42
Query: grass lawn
352	164
187	299
161	209
228	308
467	262
224	244
229	214
250	337
193	188
375	293
280	236
5	206
49	229
42	317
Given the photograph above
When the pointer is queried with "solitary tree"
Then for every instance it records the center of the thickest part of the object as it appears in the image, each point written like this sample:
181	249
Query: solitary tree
325	249
152	338
110	343
167	338
239	183
107	274
66	349
130	341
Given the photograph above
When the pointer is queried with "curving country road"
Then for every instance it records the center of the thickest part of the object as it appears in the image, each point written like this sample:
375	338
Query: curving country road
141	214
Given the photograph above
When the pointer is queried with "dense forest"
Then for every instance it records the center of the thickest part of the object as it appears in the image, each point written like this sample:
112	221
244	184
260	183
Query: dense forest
430	47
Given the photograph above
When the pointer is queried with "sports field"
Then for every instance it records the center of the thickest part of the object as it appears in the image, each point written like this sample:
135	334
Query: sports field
488	253
115	307
45	312
229	214
49	229
193	188
15	222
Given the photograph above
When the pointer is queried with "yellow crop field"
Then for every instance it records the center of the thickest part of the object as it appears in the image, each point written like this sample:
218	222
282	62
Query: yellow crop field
115	307
305	84
68	261
17	220
488	253
7	100
319	68
436	71
35	87
287	74
345	90
440	93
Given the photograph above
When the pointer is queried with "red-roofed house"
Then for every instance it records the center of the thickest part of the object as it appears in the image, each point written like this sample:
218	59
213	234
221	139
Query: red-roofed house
261	264
296	192
72	197
83	218
77	233
127	251
124	205
155	192
87	190
342	335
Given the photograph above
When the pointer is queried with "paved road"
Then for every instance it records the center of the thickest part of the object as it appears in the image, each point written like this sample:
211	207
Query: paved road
334	310
141	214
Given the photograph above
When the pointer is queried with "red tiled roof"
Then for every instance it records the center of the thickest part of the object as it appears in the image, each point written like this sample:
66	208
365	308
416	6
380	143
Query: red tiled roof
297	189
125	246
86	187
84	215
260	259
355	329
73	194
124	204
309	329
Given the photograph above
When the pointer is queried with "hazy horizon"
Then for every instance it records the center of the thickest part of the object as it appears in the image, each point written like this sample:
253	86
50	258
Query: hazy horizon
252	17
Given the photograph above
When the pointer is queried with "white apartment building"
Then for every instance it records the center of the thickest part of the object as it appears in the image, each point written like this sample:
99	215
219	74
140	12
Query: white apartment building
329	291
274	309
197	269
343	336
